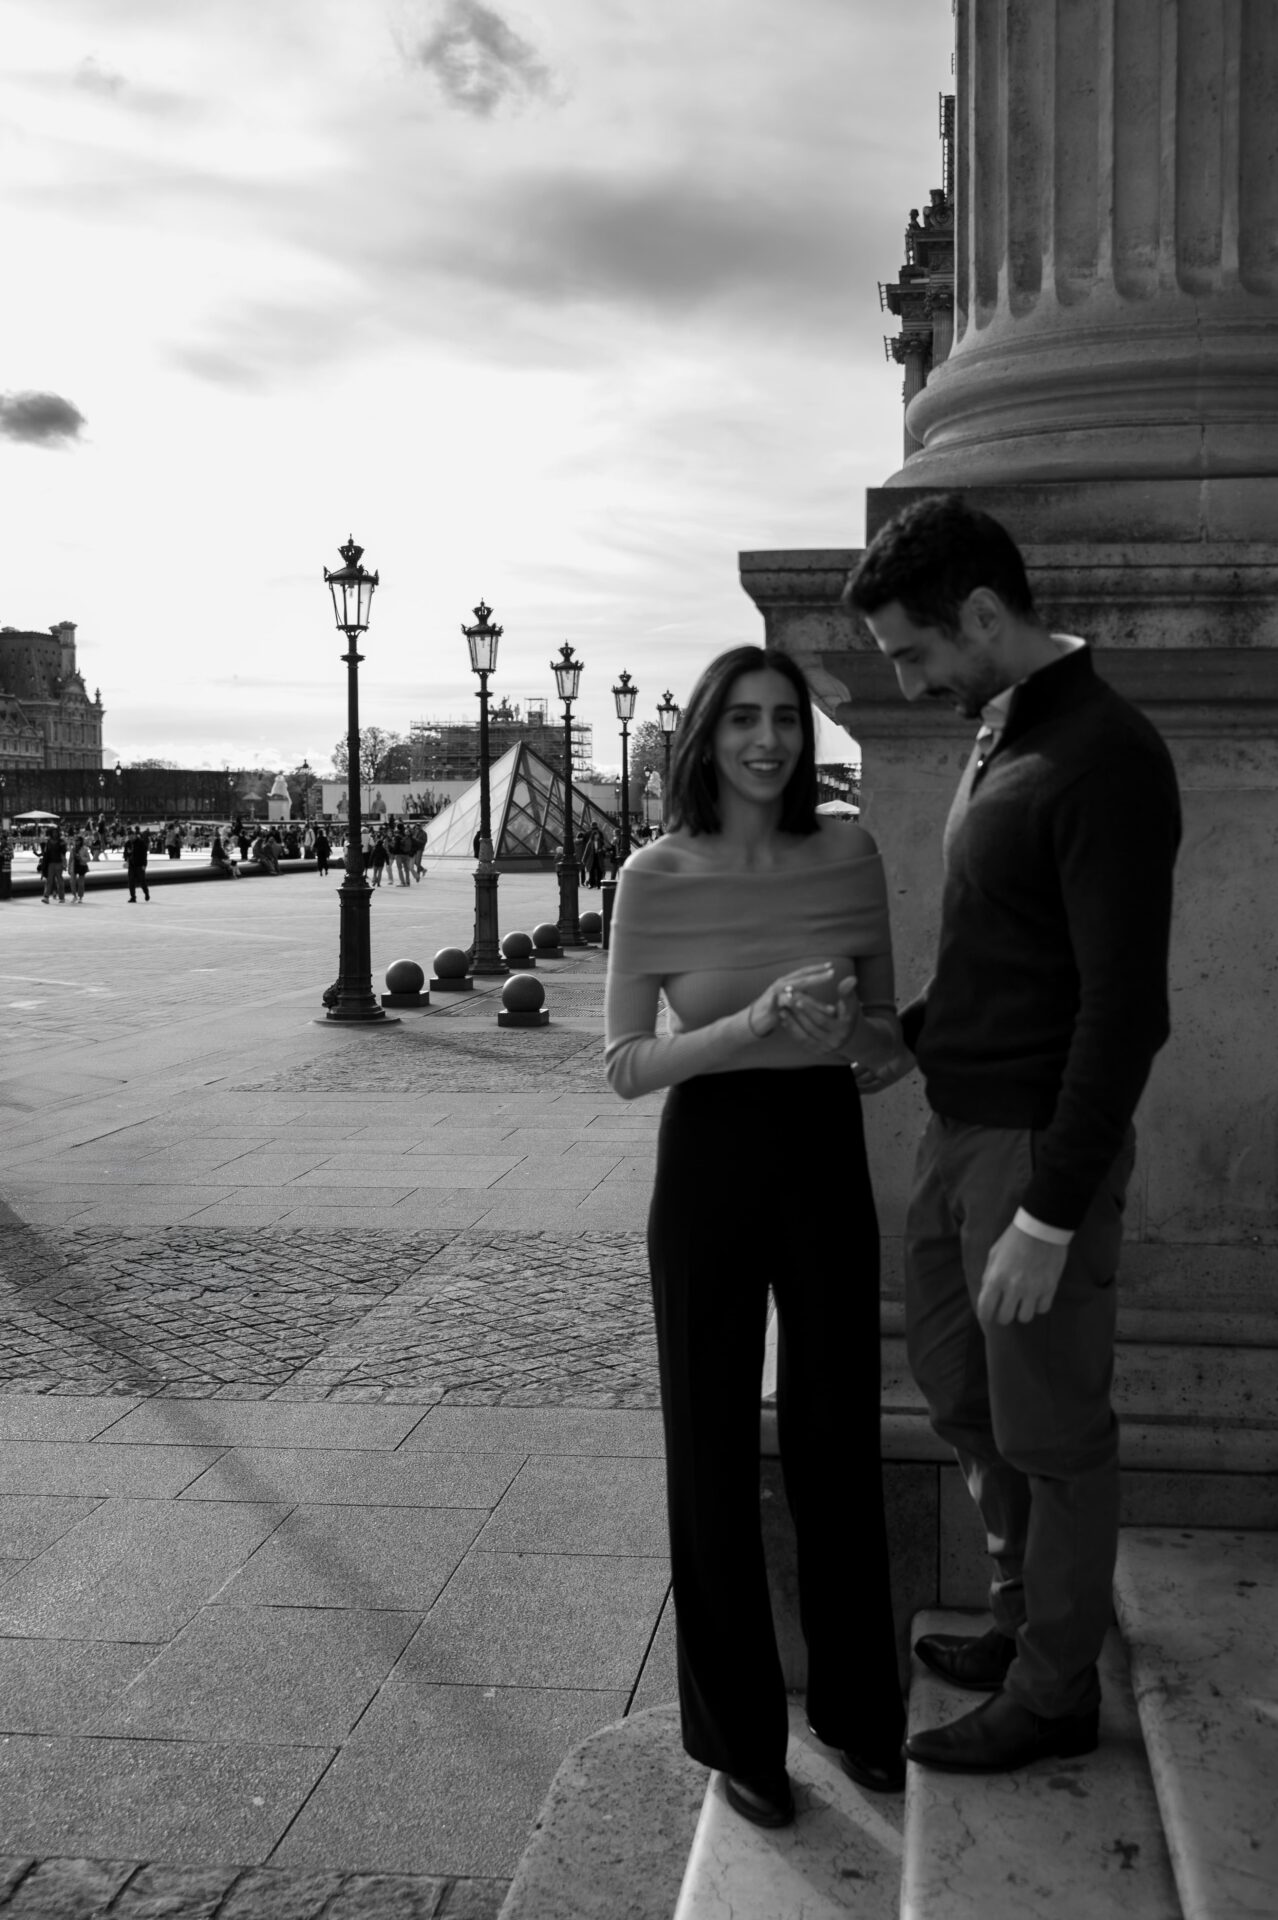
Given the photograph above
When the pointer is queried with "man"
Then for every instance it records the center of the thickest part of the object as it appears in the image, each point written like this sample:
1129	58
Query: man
1035	1037
53	865
137	848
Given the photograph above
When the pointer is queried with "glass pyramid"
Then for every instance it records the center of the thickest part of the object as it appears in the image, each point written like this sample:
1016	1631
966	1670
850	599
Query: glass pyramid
527	812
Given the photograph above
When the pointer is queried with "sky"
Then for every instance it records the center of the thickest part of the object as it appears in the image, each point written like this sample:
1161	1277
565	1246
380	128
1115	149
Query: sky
559	305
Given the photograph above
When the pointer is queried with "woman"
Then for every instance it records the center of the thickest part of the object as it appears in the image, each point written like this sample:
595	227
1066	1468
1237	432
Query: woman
79	867
323	850
766	927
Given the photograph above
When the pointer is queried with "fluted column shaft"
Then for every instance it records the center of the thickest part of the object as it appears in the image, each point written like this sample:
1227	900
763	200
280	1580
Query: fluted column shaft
1116	301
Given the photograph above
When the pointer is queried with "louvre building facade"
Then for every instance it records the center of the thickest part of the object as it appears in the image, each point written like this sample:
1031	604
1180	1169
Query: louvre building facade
47	719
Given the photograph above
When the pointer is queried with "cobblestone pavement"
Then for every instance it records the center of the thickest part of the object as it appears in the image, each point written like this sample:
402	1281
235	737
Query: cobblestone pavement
205	1196
473	1318
54	1889
435	1060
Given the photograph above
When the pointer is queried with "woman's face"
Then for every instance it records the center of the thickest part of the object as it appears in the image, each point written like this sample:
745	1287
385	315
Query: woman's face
758	739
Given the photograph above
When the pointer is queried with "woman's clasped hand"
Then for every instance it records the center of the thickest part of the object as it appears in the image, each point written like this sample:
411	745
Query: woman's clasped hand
811	1006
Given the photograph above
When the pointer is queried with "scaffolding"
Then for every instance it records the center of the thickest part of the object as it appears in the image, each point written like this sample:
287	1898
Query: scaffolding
448	749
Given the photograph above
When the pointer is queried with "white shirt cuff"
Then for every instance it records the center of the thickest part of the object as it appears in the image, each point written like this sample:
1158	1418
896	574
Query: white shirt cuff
1055	1236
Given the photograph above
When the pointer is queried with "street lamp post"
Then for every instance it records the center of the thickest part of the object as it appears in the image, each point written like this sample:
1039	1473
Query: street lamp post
567	672
668	712
351	996
625	696
486	958
305	772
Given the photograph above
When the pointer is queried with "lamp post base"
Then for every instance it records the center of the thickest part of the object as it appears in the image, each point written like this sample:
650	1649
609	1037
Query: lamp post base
352	997
569	918
487	960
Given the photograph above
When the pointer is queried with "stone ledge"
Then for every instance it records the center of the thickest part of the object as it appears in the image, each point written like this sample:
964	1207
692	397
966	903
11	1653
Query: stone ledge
613	1835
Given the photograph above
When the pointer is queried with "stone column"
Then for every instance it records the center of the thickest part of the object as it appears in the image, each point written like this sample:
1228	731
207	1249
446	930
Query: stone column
1112	397
1116	255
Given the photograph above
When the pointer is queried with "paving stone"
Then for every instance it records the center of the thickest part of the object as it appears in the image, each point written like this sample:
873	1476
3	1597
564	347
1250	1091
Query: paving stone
387	1896
475	1899
174	1893
659	1680
29	1416
69	1889
443	1780
134	1570
380	1557
14	1867
279	1893
269	1675
425	1478
62	1686
561	1503
31	1522
189	1804
577	1430
539	1619
95	1471
262	1423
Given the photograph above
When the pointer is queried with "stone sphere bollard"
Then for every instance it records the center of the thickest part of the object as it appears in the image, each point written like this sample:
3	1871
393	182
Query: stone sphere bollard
546	941
591	924
404	981
523	1002
517	950
404	976
451	975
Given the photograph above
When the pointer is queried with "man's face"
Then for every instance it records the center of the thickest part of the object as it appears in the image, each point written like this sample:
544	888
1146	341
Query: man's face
933	664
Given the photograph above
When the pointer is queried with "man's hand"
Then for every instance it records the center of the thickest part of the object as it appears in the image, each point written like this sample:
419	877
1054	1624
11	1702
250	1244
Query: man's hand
1021	1276
879	1079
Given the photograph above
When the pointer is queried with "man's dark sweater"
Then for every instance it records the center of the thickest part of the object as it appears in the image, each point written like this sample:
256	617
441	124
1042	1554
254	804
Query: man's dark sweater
1049	999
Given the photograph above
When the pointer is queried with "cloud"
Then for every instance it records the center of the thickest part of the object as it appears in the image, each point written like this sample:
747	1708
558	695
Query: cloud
91	77
41	419
478	61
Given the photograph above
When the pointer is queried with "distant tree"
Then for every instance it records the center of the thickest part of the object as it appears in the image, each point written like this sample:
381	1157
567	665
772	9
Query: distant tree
646	748
378	752
165	766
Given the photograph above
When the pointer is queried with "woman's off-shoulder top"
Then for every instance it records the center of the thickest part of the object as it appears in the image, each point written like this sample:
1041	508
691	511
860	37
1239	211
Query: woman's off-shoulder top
711	940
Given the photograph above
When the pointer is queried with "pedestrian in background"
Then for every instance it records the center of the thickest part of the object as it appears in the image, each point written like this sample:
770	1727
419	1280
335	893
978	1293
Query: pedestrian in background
417	841
53	865
79	867
137	849
323	850
6	865
402	848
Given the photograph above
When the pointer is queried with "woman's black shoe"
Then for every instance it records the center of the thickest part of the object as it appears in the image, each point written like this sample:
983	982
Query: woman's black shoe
878	1776
884	1773
767	1806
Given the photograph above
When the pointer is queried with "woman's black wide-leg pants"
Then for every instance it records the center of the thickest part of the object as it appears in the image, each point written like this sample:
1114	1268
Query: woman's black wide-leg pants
762	1182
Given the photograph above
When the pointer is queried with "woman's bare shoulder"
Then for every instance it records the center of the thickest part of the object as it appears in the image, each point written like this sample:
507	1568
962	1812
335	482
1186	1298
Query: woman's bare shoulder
672	853
841	839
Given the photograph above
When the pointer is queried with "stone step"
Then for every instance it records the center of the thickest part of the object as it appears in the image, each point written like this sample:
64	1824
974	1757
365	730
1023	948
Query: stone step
1157	1323
1234	1386
1197	1613
841	1857
1060	1840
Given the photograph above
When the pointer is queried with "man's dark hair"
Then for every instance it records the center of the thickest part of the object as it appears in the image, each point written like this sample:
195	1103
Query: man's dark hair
931	556
693	800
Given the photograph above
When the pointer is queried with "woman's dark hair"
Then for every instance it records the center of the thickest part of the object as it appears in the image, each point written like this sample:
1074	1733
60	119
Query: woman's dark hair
931	556
694	784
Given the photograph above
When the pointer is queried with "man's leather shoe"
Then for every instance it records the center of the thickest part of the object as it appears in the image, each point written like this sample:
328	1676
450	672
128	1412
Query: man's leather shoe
978	1661
766	1803
1001	1735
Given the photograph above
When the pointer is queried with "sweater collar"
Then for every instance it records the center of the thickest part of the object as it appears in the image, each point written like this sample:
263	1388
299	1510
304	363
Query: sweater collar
1061	683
